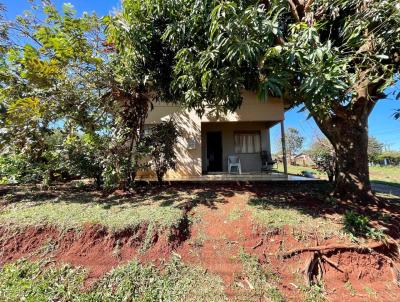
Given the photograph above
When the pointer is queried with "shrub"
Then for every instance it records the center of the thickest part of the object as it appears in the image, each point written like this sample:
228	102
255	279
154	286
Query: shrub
358	225
324	157
161	147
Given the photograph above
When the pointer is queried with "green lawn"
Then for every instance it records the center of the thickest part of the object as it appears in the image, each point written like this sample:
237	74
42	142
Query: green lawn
273	213
386	175
297	170
41	281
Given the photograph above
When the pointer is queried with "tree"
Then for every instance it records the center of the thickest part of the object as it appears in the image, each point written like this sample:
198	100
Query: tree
294	142
392	157
323	154
65	73
83	156
375	149
161	144
334	58
4	27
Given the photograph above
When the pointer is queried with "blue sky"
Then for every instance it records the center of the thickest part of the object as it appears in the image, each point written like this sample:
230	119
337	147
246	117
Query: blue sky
381	123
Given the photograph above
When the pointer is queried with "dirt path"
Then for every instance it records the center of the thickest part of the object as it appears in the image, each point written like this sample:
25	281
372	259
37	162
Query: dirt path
218	235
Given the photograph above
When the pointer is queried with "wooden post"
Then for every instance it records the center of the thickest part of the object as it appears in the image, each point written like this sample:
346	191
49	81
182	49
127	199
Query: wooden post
284	158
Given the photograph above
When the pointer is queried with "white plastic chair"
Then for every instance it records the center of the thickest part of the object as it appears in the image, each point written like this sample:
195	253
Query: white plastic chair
234	161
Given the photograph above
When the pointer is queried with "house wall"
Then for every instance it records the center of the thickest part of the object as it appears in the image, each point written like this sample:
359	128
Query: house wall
189	161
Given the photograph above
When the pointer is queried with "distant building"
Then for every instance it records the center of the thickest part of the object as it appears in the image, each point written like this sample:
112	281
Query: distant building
302	159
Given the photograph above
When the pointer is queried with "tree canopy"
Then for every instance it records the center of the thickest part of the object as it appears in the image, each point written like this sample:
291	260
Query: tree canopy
336	58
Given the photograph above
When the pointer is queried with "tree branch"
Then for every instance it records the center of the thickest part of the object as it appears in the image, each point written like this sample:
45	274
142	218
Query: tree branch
294	10
308	5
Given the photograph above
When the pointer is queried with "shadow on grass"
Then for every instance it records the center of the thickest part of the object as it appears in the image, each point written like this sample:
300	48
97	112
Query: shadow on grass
386	183
184	196
309	198
314	200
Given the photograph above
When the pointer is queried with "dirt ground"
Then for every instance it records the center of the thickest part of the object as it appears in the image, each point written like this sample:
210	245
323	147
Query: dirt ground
219	230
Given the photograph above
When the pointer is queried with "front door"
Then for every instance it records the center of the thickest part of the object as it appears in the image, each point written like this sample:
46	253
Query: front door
214	151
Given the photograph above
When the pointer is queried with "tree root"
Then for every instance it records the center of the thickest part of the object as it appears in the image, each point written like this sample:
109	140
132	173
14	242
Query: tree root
389	244
314	269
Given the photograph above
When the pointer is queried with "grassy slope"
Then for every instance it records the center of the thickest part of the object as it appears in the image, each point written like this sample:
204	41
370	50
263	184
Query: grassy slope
275	214
74	210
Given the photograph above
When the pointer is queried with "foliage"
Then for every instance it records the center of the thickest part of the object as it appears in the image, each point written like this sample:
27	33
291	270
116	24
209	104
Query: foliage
4	27
392	157
102	76
375	149
65	77
161	144
294	142
16	168
323	155
358	225
84	155
335	59
41	281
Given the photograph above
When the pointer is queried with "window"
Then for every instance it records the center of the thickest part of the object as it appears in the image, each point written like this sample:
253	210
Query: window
247	142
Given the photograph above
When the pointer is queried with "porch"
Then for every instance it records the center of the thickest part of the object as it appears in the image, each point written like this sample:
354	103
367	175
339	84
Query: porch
241	178
246	141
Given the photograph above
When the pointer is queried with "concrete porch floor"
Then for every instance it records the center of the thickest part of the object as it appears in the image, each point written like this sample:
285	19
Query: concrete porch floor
244	177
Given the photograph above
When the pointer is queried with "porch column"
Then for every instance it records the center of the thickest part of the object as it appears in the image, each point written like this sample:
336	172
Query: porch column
284	158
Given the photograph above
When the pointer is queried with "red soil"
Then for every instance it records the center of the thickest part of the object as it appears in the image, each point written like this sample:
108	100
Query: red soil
93	247
221	230
221	238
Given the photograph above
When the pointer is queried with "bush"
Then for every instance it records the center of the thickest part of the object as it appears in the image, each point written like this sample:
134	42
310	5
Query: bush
358	225
84	156
324	157
17	168
160	145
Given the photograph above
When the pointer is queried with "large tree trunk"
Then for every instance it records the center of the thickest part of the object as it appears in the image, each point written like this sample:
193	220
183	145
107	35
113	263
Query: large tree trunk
349	137
352	179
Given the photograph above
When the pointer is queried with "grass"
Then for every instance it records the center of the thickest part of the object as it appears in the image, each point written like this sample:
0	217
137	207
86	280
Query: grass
272	214
297	170
388	175
74	215
72	211
257	282
39	281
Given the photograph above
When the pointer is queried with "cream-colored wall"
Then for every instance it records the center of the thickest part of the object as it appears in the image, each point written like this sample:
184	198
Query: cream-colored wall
189	162
252	110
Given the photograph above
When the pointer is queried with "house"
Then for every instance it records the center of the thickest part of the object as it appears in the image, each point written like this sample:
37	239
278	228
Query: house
206	142
302	159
